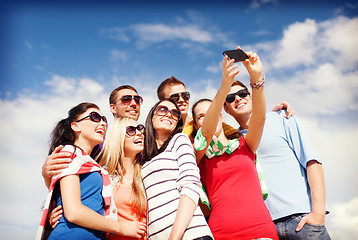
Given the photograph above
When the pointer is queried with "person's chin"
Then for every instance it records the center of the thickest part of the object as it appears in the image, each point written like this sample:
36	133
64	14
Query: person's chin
132	114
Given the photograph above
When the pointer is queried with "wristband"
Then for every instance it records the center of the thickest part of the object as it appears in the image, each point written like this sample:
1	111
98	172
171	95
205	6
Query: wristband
258	84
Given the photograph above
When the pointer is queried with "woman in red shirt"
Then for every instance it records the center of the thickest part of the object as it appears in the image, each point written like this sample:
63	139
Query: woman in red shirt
227	167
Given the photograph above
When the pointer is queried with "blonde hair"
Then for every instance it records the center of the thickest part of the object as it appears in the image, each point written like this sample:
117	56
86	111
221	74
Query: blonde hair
111	158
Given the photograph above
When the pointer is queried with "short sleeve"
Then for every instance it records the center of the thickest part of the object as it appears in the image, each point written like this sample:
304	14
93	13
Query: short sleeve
299	141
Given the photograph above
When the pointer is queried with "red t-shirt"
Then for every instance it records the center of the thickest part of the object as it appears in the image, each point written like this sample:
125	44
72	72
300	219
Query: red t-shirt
238	209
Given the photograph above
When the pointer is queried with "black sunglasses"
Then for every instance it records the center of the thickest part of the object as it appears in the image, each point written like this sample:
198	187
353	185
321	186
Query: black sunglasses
184	95
241	93
131	130
163	111
126	99
95	117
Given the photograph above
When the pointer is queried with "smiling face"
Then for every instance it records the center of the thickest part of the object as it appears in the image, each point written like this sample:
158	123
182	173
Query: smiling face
133	144
167	123
240	106
119	109
182	104
88	132
199	114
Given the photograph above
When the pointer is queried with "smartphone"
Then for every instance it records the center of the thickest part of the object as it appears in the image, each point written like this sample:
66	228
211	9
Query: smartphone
237	54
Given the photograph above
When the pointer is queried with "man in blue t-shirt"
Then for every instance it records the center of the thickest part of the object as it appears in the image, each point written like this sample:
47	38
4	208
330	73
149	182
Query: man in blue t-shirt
290	168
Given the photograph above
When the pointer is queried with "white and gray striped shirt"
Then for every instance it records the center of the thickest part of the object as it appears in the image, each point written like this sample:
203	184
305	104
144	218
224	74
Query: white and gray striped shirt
166	177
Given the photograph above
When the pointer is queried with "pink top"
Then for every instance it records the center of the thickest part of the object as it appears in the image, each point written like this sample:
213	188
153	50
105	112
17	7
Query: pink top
123	199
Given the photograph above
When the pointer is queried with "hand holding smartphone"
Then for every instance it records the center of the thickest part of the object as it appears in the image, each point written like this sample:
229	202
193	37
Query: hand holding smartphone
237	54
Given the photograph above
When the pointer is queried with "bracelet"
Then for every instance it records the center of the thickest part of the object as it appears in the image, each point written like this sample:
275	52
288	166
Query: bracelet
258	84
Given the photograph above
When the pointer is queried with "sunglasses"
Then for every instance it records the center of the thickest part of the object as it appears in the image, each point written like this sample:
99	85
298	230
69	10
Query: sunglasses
241	93
163	111
95	117
184	95
131	130
127	99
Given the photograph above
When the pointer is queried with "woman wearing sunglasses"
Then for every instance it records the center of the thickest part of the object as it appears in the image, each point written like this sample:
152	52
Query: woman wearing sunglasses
171	177
120	156
83	189
227	167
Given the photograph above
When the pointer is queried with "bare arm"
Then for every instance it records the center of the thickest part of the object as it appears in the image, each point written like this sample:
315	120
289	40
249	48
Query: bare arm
318	195
211	118
257	120
290	111
183	217
81	215
54	164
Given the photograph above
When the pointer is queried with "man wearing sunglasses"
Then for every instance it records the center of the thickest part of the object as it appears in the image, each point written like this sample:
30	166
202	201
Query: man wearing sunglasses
290	169
175	89
124	102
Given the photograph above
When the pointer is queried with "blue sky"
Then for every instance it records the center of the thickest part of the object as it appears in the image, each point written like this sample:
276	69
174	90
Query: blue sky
54	56
44	39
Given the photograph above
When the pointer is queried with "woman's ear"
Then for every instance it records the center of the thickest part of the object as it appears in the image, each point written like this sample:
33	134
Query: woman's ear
75	127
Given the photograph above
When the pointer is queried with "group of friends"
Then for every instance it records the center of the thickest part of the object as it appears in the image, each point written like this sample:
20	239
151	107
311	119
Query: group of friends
182	177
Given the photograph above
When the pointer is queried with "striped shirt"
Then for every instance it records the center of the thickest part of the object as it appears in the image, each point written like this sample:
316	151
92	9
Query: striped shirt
166	177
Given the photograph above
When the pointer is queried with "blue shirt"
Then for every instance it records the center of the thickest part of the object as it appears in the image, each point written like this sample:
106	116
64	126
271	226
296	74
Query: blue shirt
283	153
91	196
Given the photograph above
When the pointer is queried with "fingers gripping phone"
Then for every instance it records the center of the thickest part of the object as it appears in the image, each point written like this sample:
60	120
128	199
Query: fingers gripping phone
237	54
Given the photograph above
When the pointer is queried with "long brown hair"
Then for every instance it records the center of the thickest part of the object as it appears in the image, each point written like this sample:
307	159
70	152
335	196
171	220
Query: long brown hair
150	146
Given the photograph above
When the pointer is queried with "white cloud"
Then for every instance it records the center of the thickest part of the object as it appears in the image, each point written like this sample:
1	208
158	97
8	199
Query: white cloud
191	30
68	86
116	33
320	90
310	43
335	146
341	37
297	45
344	220
61	84
321	59
162	32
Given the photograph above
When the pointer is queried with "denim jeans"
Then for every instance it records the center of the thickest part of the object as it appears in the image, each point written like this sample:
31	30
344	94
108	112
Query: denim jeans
286	229
204	238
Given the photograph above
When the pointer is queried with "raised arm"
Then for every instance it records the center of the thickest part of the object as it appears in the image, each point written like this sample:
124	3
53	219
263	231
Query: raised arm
257	120
212	116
